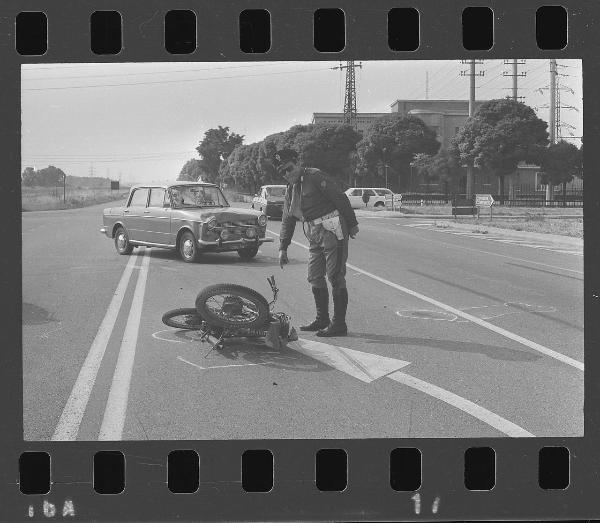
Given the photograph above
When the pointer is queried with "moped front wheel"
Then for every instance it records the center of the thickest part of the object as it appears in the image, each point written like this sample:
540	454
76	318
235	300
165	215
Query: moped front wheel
183	319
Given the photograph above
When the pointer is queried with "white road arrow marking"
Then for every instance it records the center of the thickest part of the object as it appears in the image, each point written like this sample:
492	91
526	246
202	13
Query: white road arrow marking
369	367
362	365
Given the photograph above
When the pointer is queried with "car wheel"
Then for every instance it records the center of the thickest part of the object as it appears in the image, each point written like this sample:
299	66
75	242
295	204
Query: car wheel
252	206
380	204
188	247
122	241
248	253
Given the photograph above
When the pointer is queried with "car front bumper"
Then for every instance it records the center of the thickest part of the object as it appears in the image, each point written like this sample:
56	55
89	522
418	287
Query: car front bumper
241	243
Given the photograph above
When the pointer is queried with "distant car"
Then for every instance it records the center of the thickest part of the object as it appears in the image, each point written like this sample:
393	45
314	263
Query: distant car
376	197
270	200
190	217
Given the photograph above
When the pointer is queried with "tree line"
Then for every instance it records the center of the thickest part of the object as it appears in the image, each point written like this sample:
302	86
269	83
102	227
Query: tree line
500	135
47	177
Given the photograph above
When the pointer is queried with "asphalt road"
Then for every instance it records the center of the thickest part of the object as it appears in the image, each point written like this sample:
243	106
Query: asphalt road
451	335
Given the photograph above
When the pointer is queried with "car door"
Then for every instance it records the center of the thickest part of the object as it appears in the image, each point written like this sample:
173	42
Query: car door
355	197
133	214
157	218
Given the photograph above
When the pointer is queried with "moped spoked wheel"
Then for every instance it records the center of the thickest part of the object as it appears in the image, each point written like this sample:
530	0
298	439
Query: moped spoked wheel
183	319
232	306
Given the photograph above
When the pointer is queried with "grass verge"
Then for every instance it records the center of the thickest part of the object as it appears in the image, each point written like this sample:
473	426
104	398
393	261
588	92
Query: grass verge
50	198
564	227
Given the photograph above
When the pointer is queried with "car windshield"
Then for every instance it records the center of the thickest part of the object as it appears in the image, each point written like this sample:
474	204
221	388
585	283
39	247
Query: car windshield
186	196
276	191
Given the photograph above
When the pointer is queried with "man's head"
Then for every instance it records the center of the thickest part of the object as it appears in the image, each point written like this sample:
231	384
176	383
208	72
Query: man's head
287	164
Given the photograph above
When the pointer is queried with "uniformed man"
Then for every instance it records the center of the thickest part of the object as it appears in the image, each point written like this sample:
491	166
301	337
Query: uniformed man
328	220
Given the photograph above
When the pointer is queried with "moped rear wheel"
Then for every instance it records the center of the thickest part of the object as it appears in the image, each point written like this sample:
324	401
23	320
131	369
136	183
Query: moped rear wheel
232	306
183	319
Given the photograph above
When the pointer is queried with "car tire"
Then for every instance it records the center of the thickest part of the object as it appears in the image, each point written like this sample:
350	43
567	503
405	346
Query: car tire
122	241
188	248
248	253
379	204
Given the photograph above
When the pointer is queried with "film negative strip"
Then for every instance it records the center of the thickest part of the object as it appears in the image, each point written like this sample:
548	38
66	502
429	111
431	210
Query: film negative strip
443	376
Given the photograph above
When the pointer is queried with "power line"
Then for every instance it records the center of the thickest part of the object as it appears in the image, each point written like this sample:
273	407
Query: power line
174	81
146	72
110	156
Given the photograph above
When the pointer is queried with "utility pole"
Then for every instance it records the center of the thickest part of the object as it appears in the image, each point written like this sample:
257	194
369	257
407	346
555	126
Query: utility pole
471	74
515	76
426	85
552	101
91	170
350	95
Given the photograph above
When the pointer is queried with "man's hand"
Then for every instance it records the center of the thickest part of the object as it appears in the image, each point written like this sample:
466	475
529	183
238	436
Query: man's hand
353	232
283	258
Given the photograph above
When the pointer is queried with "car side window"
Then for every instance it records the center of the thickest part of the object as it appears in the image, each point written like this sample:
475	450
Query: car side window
139	198
370	192
157	197
356	192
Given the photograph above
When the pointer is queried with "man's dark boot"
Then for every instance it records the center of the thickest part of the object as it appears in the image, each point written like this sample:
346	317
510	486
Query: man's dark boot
338	326
321	296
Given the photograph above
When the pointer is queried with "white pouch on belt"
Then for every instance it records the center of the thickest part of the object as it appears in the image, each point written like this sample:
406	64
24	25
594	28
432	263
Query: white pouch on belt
334	225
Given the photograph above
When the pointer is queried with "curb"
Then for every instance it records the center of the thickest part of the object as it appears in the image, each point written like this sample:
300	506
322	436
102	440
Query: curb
394	214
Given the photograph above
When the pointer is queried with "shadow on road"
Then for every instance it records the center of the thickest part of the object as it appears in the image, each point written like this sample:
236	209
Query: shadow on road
257	352
224	258
493	351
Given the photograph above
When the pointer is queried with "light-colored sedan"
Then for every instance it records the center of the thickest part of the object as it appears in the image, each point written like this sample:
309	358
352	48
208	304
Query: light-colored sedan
270	200
191	217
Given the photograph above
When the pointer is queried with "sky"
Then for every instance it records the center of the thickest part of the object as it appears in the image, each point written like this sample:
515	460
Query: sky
141	122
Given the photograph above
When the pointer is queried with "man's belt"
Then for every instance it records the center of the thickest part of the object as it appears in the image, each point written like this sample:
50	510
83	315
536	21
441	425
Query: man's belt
321	219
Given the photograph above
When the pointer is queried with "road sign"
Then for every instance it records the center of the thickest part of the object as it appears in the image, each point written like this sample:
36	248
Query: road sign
484	200
391	200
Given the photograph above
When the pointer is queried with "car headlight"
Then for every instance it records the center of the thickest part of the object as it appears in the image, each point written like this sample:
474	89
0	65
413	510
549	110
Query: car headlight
211	223
262	220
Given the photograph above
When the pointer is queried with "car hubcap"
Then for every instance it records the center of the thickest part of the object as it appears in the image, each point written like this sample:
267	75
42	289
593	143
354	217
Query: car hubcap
188	248
122	241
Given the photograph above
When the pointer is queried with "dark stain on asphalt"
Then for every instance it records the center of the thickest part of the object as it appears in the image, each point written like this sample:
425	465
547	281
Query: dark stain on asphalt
550	317
493	351
547	272
36	315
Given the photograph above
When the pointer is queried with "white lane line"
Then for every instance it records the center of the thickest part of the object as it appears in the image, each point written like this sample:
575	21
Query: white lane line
116	406
482	323
477	411
70	419
221	366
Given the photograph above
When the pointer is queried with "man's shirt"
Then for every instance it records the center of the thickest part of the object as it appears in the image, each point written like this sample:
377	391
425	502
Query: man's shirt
315	195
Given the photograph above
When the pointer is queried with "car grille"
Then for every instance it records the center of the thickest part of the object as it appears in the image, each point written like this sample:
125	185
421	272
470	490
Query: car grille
239	223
